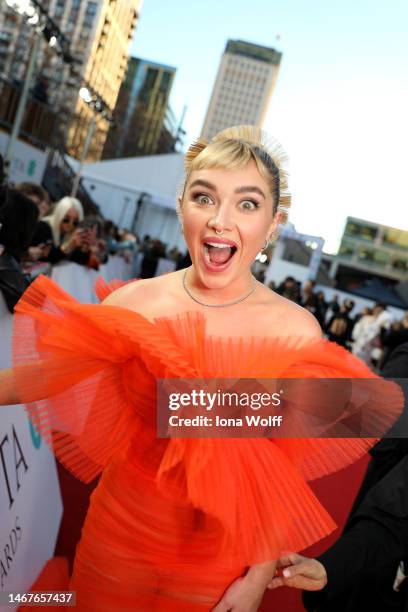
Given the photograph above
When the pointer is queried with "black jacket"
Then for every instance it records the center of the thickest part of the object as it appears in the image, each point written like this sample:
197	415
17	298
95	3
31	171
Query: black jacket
361	566
13	282
43	234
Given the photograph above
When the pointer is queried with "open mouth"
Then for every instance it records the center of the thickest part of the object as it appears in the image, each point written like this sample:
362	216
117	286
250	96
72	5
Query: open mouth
218	254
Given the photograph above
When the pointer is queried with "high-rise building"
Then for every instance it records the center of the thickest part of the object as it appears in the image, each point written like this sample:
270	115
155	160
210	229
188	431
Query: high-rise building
100	32
141	112
243	87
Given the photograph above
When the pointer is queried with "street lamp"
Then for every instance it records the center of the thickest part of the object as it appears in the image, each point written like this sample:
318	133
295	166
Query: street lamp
45	26
100	106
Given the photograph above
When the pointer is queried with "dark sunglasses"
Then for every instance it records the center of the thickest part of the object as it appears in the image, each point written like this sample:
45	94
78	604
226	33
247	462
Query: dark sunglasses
74	222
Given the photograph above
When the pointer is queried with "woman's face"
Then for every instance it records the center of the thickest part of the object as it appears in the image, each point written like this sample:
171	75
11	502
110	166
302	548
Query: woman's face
236	202
70	221
43	205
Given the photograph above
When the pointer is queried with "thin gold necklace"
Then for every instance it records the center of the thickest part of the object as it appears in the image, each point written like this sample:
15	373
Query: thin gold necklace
241	299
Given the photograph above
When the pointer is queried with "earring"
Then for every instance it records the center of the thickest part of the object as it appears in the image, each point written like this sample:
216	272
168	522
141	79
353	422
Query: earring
265	244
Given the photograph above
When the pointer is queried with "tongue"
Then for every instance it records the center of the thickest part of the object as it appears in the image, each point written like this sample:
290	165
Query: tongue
219	256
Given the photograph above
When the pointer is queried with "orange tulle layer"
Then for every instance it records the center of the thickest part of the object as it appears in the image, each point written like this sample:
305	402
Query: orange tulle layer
172	522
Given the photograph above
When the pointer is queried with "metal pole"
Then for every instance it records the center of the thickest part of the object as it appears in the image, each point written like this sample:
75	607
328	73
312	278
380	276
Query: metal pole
123	211
88	139
22	102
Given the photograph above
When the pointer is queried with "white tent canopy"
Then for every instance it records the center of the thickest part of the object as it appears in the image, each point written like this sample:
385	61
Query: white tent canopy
116	186
158	175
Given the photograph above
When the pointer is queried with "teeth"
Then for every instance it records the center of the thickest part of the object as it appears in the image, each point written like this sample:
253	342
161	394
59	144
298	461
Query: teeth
219	246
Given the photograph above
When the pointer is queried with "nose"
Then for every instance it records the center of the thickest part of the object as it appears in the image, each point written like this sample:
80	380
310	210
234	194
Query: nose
221	219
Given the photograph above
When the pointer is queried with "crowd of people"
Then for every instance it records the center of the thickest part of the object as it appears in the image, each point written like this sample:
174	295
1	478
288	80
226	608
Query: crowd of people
371	334
36	234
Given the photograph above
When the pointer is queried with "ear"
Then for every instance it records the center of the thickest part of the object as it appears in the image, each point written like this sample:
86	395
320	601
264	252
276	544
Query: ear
274	225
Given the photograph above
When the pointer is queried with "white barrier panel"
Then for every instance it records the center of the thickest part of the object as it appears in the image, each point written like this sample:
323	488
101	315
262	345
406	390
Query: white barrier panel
116	267
76	280
30	500
79	281
165	265
6	328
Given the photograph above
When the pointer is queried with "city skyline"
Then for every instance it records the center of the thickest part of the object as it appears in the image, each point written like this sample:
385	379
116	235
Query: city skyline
339	105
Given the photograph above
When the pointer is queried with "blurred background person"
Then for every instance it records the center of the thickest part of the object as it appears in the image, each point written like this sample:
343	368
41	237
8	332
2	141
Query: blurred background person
340	325
63	232
40	197
392	338
18	218
361	332
333	307
289	289
308	298
36	194
321	308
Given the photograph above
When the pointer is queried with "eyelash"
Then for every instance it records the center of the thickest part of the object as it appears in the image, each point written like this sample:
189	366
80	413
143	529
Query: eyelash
198	195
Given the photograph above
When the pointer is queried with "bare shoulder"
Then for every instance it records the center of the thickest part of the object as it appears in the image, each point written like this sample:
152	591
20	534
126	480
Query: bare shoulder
290	318
139	294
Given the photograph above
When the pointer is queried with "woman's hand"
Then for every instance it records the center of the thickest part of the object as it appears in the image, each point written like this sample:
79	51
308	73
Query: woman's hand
73	241
243	595
300	572
89	240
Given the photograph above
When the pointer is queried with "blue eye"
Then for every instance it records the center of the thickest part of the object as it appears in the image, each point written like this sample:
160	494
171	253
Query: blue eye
249	205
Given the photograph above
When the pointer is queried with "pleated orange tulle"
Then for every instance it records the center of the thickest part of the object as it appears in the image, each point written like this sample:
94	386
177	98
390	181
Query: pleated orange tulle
54	577
172	522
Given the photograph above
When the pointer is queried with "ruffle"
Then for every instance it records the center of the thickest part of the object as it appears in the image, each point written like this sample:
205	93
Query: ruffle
95	369
69	361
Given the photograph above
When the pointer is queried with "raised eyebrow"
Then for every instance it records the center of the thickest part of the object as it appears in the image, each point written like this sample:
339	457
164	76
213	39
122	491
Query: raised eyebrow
203	183
253	188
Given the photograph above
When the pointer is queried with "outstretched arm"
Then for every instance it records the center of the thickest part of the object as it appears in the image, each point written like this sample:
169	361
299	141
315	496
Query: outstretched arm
8	389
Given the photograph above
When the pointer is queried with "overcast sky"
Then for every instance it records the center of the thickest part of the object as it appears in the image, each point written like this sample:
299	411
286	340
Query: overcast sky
340	107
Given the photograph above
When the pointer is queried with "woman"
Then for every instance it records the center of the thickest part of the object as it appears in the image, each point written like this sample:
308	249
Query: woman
184	524
62	233
361	331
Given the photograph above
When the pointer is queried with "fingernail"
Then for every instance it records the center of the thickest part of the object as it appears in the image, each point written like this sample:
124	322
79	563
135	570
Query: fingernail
286	573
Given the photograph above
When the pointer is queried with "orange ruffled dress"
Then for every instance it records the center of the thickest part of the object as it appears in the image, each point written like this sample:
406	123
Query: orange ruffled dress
172	522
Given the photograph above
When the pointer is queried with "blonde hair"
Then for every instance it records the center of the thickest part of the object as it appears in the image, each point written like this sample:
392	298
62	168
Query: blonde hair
234	148
60	210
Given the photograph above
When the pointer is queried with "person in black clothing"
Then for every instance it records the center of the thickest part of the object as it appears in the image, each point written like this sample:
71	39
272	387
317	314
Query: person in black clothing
362	570
308	298
340	325
394	336
289	289
184	261
61	230
18	217
321	308
151	258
